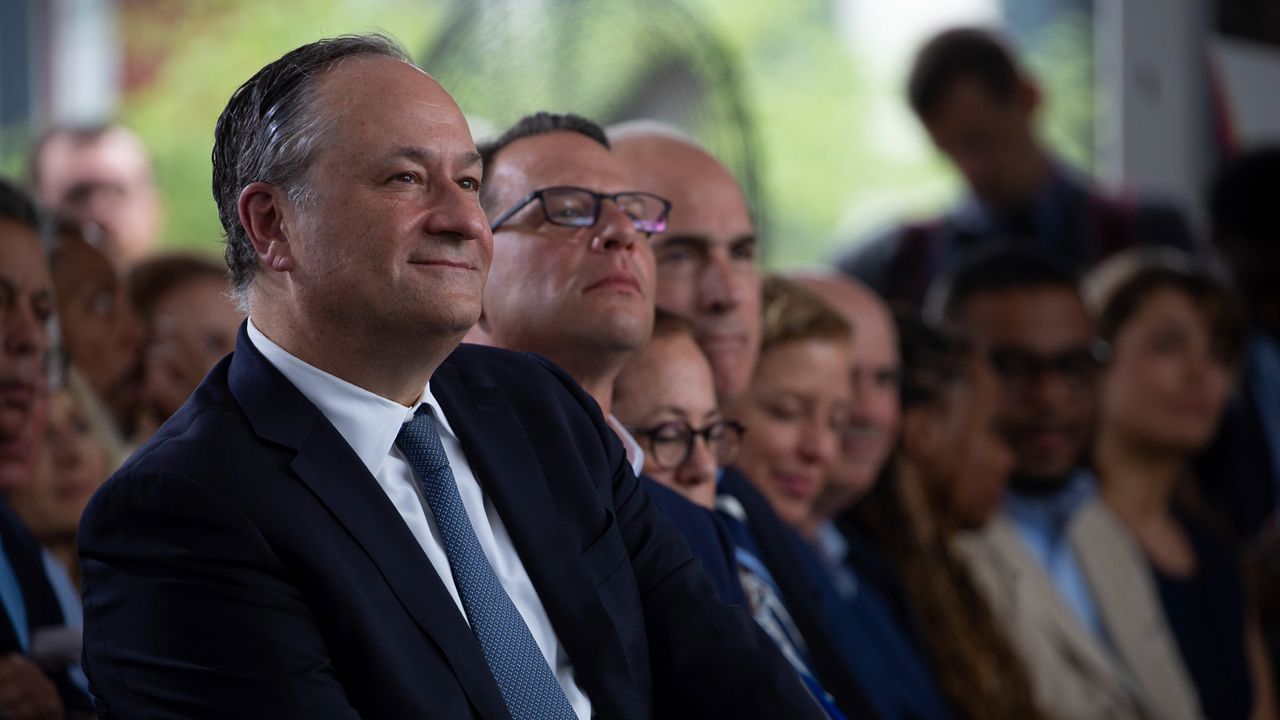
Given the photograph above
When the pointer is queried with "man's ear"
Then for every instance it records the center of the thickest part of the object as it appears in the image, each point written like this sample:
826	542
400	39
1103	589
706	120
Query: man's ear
261	206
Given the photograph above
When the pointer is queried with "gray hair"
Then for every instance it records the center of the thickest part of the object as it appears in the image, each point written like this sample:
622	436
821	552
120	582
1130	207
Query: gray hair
270	131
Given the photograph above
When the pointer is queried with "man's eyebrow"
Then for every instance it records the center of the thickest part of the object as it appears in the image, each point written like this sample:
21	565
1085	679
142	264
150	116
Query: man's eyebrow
693	240
424	156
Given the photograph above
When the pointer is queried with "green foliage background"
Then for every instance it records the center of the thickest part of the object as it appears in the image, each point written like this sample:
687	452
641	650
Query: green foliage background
827	178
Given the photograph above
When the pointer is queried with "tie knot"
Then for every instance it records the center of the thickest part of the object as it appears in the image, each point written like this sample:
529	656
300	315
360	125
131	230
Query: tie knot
419	440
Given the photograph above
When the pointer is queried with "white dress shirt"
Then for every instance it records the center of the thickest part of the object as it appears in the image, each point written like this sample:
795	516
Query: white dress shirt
370	423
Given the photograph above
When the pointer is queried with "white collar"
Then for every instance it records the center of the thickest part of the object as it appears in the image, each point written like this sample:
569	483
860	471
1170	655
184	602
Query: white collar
368	422
635	453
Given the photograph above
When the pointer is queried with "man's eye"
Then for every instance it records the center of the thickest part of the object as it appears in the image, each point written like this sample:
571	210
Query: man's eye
405	177
745	251
470	184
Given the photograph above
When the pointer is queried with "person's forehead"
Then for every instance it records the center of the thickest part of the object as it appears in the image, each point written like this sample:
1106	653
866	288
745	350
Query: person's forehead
114	155
559	158
80	267
385	97
22	262
674	359
1044	318
706	199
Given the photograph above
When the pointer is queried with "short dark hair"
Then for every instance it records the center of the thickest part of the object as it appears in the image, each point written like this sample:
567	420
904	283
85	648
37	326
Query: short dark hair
539	123
933	359
17	205
955	54
1005	265
269	132
1242	198
1119	287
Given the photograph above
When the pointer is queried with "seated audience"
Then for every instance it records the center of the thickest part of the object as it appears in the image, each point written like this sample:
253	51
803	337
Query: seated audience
100	331
35	679
100	177
1062	573
665	396
573	279
948	476
797	403
190	324
1177	337
75	461
979	108
707	274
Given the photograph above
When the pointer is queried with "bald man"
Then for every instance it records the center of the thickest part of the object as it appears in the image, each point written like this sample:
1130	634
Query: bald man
707	273
877	365
706	259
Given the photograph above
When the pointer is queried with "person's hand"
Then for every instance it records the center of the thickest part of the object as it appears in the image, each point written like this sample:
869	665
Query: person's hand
26	693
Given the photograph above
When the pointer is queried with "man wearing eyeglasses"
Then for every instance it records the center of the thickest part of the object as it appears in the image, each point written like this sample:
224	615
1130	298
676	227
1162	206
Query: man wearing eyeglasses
1070	585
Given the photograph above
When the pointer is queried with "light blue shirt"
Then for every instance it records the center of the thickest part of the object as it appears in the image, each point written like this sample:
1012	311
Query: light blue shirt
1042	522
11	596
72	613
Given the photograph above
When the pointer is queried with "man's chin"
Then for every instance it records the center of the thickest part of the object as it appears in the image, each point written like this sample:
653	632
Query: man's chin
1041	483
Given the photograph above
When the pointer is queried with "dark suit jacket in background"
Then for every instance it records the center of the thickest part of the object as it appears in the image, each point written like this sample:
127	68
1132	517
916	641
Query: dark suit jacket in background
708	540
244	563
1068	217
43	609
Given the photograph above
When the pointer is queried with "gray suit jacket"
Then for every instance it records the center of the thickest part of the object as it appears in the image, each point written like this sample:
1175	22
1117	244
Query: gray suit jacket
1138	674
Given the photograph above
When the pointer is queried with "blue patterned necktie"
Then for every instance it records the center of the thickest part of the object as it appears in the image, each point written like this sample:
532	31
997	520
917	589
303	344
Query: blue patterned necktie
529	688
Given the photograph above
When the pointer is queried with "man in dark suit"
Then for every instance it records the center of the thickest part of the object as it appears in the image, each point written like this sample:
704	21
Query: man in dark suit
28	606
353	517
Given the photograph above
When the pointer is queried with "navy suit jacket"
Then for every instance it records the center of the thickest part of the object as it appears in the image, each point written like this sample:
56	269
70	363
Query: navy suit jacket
707	539
244	563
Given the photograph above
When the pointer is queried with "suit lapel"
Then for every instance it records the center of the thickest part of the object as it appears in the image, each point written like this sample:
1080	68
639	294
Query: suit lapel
510	473
1035	589
330	468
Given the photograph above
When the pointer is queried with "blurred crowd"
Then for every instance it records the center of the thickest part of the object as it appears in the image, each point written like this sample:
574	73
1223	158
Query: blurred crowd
1019	460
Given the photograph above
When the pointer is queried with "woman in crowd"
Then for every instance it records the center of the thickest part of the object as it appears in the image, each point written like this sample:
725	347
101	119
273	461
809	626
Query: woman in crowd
1176	338
75	460
666	398
797	403
190	324
947	476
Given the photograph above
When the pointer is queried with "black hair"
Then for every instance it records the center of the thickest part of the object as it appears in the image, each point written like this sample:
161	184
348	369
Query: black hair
17	205
1006	265
960	53
539	123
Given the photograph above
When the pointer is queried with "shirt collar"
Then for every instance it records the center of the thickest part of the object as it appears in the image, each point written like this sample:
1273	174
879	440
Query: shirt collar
635	453
367	421
1050	514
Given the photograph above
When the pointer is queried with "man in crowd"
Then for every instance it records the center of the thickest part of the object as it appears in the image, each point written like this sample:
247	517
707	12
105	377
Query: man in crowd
1069	583
874	415
707	273
29	607
101	177
706	258
353	517
572	279
979	109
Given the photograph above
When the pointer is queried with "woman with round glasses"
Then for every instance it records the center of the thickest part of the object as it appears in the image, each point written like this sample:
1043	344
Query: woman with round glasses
666	398
1177	337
